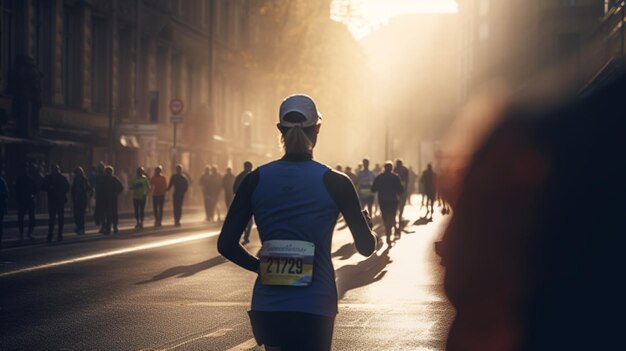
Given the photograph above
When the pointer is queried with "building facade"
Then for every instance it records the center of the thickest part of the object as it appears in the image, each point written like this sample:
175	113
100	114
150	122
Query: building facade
512	40
88	81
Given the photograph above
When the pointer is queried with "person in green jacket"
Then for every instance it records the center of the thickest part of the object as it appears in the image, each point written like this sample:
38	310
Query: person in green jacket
140	186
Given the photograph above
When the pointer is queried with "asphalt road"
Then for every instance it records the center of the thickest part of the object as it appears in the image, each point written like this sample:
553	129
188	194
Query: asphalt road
175	292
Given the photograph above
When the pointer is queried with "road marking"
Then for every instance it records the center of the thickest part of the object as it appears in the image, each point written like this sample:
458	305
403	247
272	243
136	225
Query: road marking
113	253
177	343
244	346
220	303
215	334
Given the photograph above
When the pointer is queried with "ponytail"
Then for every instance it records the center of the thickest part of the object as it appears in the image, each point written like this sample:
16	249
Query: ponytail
296	141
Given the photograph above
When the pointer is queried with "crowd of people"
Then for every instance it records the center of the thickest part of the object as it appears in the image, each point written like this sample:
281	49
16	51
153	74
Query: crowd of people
386	190
99	190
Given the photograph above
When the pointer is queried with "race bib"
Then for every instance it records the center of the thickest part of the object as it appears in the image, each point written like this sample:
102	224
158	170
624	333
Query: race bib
287	262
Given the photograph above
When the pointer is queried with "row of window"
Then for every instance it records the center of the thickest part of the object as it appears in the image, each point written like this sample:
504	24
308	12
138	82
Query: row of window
13	43
73	65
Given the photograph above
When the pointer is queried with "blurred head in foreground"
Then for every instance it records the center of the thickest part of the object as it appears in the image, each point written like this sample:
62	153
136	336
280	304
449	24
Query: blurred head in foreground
534	251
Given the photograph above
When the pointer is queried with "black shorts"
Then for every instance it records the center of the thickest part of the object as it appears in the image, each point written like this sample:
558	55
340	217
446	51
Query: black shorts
292	330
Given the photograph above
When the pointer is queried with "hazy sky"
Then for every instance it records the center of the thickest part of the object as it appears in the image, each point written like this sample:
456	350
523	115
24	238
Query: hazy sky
366	15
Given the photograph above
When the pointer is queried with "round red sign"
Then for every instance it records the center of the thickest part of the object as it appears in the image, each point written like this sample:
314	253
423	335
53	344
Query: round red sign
177	106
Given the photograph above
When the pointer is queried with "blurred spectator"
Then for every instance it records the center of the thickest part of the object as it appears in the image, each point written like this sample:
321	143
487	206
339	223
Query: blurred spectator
247	168
215	189
111	188
98	212
205	183
351	174
227	184
534	261
180	184
140	185
158	183
57	188
25	192
81	189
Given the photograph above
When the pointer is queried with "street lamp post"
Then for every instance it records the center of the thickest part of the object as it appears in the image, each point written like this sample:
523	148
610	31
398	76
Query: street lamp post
246	119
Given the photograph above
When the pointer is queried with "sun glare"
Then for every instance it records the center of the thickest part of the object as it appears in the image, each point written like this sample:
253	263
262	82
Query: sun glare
363	16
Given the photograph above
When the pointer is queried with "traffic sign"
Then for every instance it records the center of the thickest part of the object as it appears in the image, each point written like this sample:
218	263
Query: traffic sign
177	106
176	119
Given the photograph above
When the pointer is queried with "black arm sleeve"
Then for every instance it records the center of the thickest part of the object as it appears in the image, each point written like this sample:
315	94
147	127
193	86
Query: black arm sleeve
344	194
237	219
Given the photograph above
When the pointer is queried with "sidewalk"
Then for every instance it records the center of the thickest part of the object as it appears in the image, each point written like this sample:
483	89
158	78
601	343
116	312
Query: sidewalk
192	220
10	219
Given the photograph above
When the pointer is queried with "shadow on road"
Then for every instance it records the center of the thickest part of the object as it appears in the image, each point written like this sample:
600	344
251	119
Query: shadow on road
185	271
345	252
422	221
363	273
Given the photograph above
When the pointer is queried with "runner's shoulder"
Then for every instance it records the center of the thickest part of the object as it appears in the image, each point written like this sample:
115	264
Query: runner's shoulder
250	181
335	177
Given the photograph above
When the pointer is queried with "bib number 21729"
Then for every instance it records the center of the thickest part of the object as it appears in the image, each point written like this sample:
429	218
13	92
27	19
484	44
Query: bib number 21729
287	262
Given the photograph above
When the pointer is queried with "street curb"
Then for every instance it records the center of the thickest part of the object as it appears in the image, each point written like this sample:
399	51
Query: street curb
123	233
42	218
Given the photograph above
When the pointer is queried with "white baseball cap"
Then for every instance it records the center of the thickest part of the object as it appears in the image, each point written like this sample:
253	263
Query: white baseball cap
307	114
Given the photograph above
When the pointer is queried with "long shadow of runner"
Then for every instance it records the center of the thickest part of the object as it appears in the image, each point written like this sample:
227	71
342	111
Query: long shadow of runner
345	252
363	273
185	271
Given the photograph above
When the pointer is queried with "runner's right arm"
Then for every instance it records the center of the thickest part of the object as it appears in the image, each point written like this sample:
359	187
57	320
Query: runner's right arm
342	190
237	219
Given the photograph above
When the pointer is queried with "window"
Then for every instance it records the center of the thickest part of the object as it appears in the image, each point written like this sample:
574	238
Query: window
100	63
11	35
176	76
225	15
43	46
71	56
125	74
162	84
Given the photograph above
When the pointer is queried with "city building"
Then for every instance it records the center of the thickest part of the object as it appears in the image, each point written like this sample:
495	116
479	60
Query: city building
414	58
88	81
513	40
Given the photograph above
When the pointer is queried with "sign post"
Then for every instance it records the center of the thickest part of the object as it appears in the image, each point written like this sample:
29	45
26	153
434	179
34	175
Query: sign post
176	108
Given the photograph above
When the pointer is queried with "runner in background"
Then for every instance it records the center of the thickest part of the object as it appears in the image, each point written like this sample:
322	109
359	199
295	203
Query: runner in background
140	186
351	174
389	189
227	185
428	181
57	187
247	168
179	182
364	181
81	191
25	192
403	173
158	183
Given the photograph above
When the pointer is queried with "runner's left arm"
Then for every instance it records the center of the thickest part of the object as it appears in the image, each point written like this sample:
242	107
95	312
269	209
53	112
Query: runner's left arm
237	219
343	193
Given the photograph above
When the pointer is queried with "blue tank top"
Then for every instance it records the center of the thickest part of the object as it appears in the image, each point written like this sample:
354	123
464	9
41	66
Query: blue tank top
291	202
